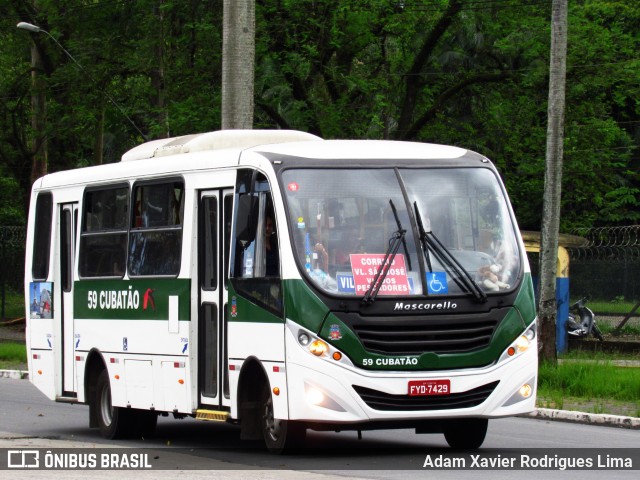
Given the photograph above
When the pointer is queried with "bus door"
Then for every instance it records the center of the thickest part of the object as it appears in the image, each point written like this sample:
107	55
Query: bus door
67	246
214	234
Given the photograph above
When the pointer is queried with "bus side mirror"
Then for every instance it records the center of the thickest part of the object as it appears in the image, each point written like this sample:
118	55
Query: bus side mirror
246	222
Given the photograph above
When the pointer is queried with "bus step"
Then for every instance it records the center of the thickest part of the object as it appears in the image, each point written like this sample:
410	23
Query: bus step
212	415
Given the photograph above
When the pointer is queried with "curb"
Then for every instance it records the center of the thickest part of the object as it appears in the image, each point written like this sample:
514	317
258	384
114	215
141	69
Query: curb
604	419
631	423
14	374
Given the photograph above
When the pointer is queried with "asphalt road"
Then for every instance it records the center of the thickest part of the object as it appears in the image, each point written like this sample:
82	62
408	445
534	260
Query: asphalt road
27	418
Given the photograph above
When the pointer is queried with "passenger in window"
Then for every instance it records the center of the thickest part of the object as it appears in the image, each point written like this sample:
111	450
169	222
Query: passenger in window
271	249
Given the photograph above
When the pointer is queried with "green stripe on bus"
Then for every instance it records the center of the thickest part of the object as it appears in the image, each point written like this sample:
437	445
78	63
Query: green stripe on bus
139	299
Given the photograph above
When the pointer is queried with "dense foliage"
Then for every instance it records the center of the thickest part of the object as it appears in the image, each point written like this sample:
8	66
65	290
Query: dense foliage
472	73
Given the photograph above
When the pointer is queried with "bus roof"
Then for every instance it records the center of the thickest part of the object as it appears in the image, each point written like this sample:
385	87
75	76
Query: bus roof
172	155
218	140
365	150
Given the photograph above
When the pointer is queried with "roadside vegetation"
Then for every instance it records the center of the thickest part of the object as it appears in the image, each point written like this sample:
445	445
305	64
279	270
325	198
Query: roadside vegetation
591	382
14	305
12	355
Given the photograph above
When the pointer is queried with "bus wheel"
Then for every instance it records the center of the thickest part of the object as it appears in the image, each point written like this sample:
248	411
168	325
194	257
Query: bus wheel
114	422
280	436
466	433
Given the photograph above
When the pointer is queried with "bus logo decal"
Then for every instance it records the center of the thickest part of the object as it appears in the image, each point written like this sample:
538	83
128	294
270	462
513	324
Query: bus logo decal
334	332
148	299
444	305
234	307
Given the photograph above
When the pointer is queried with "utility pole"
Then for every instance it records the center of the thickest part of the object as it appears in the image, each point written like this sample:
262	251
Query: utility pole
238	63
547	308
38	116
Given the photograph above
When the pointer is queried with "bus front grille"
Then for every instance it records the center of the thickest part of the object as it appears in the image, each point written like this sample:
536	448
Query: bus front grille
389	402
447	337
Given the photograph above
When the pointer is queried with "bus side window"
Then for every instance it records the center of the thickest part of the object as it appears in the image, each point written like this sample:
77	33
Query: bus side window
42	237
155	239
255	260
103	238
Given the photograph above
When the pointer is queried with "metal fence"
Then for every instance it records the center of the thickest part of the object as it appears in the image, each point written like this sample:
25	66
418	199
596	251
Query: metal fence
12	244
606	270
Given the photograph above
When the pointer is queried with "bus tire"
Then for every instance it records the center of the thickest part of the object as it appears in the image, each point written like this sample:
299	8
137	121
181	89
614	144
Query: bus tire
466	433
114	422
280	436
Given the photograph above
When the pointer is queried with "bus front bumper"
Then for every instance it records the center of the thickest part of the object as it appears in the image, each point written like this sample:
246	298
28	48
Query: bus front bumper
320	390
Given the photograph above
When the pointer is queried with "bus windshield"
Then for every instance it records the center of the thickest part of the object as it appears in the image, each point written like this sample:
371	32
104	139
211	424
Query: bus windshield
349	225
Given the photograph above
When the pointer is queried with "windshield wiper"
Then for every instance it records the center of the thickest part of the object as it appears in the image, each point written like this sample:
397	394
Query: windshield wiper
431	243
423	236
396	239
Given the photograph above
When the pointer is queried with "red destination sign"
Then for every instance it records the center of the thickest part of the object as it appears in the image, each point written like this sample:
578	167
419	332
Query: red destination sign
364	267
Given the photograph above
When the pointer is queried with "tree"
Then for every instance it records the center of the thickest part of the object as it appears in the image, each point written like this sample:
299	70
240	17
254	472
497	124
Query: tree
553	182
461	72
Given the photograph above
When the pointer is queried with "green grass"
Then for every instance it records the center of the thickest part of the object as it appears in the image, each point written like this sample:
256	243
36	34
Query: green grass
12	355
602	307
589	381
598	356
14	305
626	330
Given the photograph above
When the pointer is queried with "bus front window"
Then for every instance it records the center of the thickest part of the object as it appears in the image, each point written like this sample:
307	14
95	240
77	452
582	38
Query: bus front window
343	223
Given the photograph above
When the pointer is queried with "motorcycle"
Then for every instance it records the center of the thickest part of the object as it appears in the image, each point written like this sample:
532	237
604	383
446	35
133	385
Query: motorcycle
582	321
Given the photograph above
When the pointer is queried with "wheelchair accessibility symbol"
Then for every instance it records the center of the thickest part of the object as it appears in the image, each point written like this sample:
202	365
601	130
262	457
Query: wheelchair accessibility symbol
437	283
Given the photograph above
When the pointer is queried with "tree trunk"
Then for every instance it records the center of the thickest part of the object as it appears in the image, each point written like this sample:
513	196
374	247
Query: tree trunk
552	182
38	117
158	76
238	59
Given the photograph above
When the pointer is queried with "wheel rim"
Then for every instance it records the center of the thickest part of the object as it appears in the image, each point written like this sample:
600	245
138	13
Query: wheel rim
272	426
106	409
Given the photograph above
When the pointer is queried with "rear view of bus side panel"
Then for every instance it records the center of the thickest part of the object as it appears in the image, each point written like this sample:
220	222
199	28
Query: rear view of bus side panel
39	294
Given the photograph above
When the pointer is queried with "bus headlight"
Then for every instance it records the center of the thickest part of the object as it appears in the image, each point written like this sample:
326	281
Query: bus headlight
314	396
526	390
318	348
521	344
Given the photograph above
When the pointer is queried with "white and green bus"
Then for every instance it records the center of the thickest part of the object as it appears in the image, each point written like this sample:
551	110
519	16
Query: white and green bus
282	282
